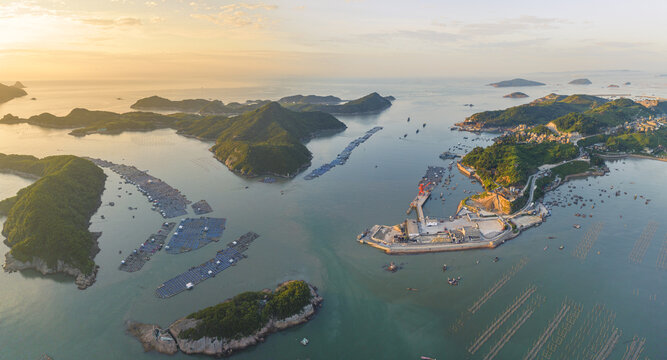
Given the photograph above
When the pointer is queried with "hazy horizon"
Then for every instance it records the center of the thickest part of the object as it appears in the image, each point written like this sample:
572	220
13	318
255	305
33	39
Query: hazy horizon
237	41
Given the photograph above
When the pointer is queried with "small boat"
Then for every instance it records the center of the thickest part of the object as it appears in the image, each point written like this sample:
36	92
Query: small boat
189	286
417	132
427	358
561	247
412	289
453	281
405	135
304	341
576	226
495	259
408	119
424	125
444	267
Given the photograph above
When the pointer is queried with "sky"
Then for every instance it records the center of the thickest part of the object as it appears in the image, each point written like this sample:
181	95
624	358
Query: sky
197	39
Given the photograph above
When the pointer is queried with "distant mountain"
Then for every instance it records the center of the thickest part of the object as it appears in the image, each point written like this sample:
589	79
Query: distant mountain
516	82
268	140
18	85
10	92
371	103
580	82
516	95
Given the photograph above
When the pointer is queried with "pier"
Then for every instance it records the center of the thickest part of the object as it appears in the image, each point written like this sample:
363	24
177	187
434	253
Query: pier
136	260
342	158
164	198
192	234
222	260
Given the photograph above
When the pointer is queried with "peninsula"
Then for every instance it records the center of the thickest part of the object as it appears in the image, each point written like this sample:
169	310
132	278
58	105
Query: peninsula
233	325
47	222
11	92
265	141
371	103
528	160
516	83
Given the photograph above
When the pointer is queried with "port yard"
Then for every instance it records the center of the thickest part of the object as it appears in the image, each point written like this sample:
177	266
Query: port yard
193	233
222	260
164	198
342	158
138	258
201	207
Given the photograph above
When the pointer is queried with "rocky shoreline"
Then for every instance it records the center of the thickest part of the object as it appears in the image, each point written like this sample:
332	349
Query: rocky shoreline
81	279
167	341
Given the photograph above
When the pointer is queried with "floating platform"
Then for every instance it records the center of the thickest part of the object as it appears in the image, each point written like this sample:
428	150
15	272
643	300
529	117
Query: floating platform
342	158
136	260
222	260
164	198
201	207
192	234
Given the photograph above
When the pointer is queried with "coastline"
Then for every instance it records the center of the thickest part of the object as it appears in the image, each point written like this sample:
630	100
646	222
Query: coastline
167	341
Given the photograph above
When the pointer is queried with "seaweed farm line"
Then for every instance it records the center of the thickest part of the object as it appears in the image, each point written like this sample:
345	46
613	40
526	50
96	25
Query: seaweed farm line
192	234
136	260
201	207
343	156
222	260
167	200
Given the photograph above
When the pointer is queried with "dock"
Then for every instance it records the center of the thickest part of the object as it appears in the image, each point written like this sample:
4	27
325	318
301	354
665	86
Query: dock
136	260
201	207
342	158
193	233
164	198
223	259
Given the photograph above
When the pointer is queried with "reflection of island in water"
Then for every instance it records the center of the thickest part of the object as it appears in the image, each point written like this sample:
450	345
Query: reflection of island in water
536	154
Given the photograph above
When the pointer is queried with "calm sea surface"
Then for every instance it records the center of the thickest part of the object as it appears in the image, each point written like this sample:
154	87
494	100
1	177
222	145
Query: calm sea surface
309	233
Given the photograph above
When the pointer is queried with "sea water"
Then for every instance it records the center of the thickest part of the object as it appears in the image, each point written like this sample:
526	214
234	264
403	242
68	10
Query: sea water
308	231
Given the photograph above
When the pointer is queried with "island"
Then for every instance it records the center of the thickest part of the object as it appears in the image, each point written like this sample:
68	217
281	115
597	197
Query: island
540	149
233	325
265	141
10	92
516	83
371	103
47	222
516	95
19	85
580	82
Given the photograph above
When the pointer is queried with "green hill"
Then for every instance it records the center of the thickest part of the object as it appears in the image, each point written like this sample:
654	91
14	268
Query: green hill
541	111
49	219
268	140
607	115
370	103
10	92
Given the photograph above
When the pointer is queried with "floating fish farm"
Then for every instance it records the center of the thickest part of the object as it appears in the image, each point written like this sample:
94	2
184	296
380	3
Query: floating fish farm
201	207
222	260
192	234
342	158
164	198
136	260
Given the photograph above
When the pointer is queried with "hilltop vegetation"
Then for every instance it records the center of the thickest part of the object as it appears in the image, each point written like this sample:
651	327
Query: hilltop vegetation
10	92
368	104
630	141
509	163
267	140
246	313
602	112
49	219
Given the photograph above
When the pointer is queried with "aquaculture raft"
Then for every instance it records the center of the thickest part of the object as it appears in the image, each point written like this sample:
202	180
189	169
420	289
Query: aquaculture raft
201	207
222	260
192	234
136	260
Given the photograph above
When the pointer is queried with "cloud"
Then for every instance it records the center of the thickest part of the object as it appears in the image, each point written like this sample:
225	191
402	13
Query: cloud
511	25
124	21
150	3
238	15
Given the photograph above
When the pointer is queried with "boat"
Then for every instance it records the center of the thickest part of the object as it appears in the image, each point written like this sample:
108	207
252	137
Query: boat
189	286
576	226
417	132
453	281
424	125
304	341
495	259
412	289
408	119
561	247
444	267
426	358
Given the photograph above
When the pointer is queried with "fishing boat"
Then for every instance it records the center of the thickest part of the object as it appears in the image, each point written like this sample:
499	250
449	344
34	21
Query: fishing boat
444	267
304	341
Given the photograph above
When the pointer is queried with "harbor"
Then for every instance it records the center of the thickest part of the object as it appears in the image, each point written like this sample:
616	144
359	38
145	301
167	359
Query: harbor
192	234
138	258
169	202
222	260
342	158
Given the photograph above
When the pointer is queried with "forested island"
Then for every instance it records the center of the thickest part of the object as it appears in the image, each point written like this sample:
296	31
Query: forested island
265	141
515	83
11	92
516	95
47	221
370	103
580	82
235	324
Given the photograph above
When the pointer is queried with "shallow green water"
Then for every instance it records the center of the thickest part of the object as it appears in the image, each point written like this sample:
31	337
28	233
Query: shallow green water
309	233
